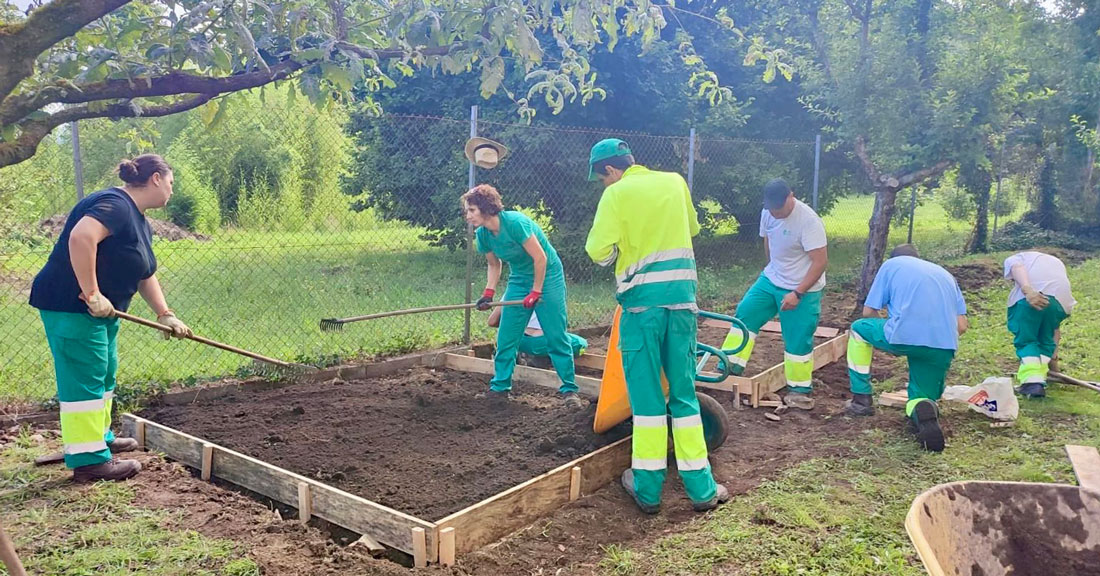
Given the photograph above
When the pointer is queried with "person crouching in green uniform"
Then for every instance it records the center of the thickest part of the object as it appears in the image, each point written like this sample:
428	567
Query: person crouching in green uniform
535	276
1040	300
791	285
102	257
926	315
533	343
643	225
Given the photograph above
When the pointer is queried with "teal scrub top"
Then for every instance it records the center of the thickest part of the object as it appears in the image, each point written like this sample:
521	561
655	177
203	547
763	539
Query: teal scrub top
515	229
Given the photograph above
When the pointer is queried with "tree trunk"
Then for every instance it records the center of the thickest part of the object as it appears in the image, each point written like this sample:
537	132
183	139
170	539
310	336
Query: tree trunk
1045	213
885	203
977	181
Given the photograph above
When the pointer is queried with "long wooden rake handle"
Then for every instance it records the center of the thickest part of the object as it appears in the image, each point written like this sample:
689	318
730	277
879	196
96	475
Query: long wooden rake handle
207	341
9	557
1071	380
420	310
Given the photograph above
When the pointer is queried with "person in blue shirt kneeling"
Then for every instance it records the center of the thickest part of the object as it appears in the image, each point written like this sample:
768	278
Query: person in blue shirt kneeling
926	314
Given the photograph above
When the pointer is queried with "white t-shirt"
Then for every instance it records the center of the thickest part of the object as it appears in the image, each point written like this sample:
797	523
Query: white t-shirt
789	241
1047	275
533	326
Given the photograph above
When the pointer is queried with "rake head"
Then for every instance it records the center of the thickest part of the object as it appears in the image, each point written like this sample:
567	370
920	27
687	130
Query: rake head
332	325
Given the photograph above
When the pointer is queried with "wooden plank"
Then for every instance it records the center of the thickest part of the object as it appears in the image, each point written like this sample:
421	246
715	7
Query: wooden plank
575	483
139	434
895	399
341	508
420	548
1086	465
773	327
590	361
546	378
207	461
496	517
447	546
305	503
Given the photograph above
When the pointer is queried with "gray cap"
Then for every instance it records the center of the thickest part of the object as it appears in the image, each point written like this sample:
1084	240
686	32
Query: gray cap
775	193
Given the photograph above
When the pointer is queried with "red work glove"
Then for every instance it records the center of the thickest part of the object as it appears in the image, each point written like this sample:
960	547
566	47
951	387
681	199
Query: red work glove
486	298
532	299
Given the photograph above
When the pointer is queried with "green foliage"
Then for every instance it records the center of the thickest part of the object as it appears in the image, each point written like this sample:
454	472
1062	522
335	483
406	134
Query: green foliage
194	204
1025	235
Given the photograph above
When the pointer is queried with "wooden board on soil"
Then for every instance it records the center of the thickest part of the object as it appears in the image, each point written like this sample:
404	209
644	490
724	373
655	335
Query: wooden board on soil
767	351
418	441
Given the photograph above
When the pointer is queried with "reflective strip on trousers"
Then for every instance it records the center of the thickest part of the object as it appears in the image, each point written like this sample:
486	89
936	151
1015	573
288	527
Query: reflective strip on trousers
655	277
1031	372
650	438
659	256
689	465
653	465
859	354
799	369
83	406
85	447
733	340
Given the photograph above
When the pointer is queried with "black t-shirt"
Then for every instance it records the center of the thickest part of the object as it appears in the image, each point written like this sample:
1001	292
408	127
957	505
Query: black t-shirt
122	259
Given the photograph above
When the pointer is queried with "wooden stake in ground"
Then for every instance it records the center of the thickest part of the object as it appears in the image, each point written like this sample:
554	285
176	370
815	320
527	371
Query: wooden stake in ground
8	555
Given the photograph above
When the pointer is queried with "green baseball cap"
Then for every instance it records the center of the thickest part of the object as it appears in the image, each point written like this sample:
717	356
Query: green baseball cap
604	149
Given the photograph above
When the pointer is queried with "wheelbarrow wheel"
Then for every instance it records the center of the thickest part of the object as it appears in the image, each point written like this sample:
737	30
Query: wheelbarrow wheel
716	423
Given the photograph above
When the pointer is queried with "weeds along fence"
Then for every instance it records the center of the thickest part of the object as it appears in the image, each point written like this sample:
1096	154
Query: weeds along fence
283	215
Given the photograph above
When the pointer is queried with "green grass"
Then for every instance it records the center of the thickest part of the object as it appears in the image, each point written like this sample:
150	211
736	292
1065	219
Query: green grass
845	515
99	529
267	291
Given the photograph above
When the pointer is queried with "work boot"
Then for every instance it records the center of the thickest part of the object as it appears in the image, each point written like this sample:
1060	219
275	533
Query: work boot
110	470
574	401
799	401
123	445
1032	390
628	485
720	497
926	422
860	405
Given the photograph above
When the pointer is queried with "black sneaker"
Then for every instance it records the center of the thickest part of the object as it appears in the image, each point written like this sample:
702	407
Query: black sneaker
1032	390
628	485
927	423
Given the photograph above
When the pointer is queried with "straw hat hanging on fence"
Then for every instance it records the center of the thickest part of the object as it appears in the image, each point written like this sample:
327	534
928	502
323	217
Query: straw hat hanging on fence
485	153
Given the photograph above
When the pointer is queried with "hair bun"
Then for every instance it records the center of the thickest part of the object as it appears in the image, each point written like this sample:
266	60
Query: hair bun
128	171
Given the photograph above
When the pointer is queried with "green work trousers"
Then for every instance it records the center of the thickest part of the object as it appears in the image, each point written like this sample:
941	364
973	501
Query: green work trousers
1033	336
552	318
927	366
650	340
538	346
760	304
85	359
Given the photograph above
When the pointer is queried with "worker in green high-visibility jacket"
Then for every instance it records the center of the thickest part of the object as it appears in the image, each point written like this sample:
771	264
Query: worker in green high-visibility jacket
791	285
644	225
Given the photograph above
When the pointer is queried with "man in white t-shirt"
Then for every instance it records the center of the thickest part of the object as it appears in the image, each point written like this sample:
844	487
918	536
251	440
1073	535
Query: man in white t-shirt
794	243
1040	300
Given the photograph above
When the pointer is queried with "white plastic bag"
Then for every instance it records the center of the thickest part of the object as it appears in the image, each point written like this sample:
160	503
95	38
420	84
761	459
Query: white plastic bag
994	397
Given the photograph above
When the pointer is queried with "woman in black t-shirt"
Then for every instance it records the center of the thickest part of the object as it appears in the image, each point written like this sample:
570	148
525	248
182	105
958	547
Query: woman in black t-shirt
103	256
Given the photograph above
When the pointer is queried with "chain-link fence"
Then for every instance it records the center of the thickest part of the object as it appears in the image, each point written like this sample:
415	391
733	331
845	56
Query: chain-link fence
283	215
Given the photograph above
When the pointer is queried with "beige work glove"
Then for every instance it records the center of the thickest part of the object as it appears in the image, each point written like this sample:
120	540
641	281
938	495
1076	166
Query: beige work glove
98	305
179	329
1036	299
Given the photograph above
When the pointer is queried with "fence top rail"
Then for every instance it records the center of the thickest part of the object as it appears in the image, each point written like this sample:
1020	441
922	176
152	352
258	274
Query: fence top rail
589	130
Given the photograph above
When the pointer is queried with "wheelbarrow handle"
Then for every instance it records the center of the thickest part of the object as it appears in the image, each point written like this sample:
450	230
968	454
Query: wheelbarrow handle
737	323
723	363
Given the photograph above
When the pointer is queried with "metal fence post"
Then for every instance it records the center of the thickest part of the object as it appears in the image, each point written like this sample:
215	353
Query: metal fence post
470	236
78	162
817	166
691	160
912	212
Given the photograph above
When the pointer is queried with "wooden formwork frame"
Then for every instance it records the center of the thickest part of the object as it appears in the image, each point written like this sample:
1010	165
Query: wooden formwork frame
440	541
756	387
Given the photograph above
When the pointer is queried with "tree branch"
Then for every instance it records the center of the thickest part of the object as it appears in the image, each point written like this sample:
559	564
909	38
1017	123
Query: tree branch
819	45
33	132
18	107
20	44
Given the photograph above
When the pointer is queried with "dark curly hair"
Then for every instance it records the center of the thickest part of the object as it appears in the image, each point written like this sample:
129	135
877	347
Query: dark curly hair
139	170
486	198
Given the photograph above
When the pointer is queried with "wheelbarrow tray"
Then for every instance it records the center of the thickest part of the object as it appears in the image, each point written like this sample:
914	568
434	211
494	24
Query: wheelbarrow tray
1006	528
